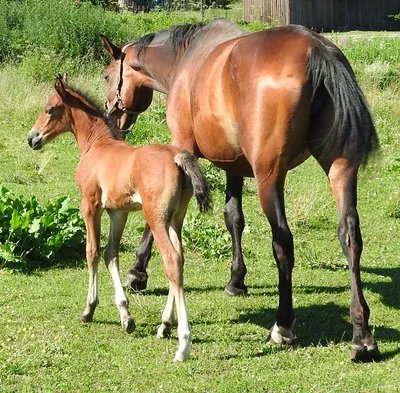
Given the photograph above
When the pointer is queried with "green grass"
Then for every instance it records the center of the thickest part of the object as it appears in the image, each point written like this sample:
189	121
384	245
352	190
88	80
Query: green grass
45	348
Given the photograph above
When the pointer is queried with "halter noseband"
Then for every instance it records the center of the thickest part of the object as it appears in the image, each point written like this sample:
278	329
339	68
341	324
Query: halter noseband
118	102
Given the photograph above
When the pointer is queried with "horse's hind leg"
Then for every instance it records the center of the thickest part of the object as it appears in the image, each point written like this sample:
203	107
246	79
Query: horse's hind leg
271	196
136	279
343	179
234	221
117	225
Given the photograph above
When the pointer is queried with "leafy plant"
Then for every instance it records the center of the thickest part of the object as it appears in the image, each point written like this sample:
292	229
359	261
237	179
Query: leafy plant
201	234
33	236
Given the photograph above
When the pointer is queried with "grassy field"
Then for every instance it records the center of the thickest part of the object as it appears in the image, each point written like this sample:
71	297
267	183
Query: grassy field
45	348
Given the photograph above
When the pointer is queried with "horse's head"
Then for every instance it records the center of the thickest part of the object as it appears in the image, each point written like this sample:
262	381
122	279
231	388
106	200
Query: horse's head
53	120
127	96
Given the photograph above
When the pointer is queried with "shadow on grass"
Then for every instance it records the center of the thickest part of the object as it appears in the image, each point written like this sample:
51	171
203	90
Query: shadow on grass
320	325
261	290
389	291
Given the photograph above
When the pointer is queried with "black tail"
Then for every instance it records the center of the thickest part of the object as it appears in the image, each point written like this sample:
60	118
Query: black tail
353	133
188	162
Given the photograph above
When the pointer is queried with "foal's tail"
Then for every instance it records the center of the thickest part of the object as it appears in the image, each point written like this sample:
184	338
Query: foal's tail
188	163
352	133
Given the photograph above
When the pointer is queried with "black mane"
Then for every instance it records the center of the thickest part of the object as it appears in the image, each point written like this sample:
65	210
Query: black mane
180	37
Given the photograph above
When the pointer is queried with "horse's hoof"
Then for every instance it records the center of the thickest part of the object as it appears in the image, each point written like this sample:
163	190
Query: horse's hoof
164	331
136	281
280	336
230	290
86	317
129	325
364	350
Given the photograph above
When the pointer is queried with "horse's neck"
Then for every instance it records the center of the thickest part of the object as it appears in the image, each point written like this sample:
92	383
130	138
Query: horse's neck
162	64
88	129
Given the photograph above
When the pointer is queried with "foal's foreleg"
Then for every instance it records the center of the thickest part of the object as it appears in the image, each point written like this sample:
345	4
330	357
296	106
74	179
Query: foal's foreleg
117	225
271	197
343	179
92	217
137	277
234	221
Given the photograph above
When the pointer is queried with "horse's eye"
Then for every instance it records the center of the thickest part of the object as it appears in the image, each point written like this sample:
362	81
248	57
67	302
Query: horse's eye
48	111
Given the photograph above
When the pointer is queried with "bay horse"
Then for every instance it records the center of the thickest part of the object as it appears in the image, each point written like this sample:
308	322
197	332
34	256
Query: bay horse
115	176
256	105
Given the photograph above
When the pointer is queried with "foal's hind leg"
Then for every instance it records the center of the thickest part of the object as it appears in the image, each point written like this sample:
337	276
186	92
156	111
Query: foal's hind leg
271	196
343	179
117	225
234	221
136	279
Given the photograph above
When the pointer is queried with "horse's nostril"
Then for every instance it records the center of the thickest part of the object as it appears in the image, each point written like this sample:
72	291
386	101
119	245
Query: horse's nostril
34	140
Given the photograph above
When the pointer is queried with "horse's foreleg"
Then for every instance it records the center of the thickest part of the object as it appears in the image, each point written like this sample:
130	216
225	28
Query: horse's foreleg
234	221
343	179
271	197
92	217
136	279
117	225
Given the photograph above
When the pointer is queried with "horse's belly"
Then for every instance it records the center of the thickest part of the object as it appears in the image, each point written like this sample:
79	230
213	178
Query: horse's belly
218	141
216	136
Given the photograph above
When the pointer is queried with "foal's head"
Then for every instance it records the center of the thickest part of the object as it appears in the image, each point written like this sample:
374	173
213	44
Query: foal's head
54	120
127	96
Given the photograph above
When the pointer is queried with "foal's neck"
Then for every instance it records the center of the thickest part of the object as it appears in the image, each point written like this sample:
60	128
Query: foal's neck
89	129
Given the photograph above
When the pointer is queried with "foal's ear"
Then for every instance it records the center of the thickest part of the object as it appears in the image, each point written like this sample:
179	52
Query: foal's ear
109	47
60	87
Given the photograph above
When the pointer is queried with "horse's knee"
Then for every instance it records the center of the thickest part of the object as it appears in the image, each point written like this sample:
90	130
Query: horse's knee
92	255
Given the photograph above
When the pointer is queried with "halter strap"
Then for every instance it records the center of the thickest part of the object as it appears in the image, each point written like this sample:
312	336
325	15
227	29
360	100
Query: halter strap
118	102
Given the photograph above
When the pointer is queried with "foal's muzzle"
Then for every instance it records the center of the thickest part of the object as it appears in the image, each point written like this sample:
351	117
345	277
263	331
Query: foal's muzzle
35	140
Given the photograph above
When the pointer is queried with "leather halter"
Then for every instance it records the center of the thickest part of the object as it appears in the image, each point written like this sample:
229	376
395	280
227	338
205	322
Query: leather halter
118	102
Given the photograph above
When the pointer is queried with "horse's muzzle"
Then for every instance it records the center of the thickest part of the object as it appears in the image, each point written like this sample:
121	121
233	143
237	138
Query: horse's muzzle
35	140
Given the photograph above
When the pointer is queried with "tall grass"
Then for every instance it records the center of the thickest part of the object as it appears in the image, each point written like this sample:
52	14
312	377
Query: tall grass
49	36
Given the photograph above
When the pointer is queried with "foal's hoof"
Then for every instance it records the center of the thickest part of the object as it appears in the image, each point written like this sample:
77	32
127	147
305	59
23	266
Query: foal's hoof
231	290
182	356
136	280
129	325
164	331
364	350
86	317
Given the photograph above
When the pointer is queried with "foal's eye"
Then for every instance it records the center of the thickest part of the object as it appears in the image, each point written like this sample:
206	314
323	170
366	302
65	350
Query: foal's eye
48	111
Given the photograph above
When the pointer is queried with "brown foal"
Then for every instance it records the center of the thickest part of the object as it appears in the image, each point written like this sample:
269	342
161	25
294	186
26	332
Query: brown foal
119	178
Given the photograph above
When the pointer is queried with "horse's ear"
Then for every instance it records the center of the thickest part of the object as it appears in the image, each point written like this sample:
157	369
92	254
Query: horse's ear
109	47
60	87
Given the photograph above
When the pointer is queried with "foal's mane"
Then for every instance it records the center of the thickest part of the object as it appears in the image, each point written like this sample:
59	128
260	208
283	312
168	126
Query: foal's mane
81	100
180	37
